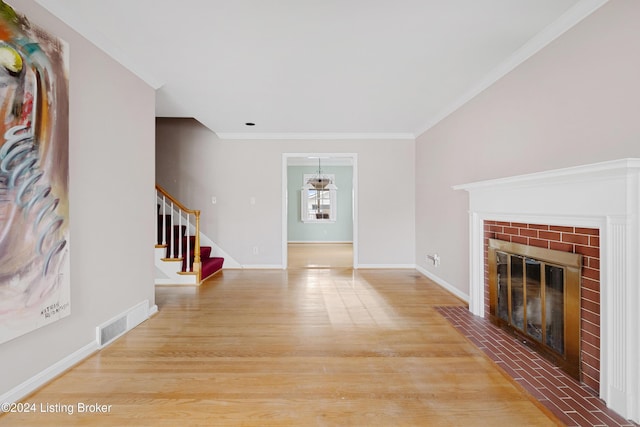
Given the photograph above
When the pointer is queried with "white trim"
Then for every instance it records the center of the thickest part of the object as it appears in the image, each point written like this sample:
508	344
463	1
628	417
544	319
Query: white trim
183	280
571	173
329	242
564	23
262	267
48	374
80	25
316	135
476	270
386	266
444	284
153	310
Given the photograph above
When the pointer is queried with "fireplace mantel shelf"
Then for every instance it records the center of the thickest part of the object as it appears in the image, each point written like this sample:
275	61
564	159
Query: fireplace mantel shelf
613	167
605	196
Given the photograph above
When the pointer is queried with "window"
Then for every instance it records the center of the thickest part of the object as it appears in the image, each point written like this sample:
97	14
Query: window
318	203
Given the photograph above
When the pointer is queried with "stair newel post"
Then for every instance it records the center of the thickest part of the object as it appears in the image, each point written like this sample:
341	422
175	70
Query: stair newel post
155	239
188	254
196	250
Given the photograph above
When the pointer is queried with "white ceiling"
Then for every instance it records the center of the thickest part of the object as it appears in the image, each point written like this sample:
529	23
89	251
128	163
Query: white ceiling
319	68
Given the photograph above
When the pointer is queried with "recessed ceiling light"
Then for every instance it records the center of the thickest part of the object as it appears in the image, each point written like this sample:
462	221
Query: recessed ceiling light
249	124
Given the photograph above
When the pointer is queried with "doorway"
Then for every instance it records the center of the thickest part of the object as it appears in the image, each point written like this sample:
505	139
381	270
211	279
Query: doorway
319	245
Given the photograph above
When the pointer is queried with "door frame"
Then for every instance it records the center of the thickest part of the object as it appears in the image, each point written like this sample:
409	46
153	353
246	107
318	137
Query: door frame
285	199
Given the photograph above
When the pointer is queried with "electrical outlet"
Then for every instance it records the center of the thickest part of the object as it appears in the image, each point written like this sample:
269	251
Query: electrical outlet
214	200
435	258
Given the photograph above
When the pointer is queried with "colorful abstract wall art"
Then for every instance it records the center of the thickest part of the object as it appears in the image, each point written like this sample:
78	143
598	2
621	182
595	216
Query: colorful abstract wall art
34	165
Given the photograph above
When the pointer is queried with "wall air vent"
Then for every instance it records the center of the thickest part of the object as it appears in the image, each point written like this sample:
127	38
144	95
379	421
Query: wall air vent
119	325
113	330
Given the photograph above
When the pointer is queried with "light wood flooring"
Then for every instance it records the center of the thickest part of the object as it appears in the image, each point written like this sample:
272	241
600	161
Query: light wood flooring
320	255
305	347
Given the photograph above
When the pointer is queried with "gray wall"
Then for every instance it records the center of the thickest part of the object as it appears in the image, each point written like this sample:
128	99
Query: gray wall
575	102
111	203
194	164
339	231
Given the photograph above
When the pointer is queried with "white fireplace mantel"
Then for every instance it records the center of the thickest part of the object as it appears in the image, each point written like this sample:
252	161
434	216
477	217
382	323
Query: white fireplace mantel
604	196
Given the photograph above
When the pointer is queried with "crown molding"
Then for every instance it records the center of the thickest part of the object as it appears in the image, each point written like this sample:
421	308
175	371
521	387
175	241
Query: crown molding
314	135
554	30
98	39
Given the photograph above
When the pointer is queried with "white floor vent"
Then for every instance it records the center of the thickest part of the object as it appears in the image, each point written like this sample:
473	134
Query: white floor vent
118	326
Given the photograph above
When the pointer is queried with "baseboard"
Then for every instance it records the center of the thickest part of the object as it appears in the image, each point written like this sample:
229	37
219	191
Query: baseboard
385	266
174	283
135	317
153	310
337	242
183	280
449	287
262	267
45	376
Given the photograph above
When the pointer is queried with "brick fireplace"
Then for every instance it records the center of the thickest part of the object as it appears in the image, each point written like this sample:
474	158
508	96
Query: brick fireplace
593	210
577	240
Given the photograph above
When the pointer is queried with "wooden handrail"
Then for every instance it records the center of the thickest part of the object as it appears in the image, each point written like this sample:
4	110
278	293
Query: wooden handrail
197	262
175	202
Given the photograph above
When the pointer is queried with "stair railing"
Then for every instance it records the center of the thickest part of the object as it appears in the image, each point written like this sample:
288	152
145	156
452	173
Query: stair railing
175	208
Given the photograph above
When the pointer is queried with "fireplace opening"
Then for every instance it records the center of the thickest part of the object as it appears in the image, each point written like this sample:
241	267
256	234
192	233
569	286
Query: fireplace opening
534	293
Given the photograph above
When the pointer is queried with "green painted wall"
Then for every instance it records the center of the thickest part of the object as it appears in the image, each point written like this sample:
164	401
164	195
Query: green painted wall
339	231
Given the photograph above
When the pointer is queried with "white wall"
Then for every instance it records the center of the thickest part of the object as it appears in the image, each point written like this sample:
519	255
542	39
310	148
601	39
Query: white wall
194	165
575	102
111	161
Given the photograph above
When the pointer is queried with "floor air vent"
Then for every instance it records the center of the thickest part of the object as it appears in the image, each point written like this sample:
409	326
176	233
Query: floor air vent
116	327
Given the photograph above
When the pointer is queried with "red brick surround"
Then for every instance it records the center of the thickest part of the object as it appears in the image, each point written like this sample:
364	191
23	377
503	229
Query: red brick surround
584	241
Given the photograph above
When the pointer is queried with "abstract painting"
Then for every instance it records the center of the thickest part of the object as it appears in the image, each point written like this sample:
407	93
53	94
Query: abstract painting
34	175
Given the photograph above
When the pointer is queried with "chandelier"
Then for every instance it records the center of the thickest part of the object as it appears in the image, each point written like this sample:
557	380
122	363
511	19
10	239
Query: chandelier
319	181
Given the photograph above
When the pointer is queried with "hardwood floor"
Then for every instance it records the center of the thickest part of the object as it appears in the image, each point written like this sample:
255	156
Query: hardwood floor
305	347
320	255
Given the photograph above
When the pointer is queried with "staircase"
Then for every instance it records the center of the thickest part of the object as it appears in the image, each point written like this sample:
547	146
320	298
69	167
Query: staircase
180	260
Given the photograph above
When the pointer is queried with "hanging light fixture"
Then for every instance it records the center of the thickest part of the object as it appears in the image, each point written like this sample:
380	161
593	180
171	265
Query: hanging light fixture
319	181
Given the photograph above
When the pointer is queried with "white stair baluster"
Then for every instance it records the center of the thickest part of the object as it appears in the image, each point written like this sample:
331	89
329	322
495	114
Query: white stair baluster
156	221
173	233
180	234
164	220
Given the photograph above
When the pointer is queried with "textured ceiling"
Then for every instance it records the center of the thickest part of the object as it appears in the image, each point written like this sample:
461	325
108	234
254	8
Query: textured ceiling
318	68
